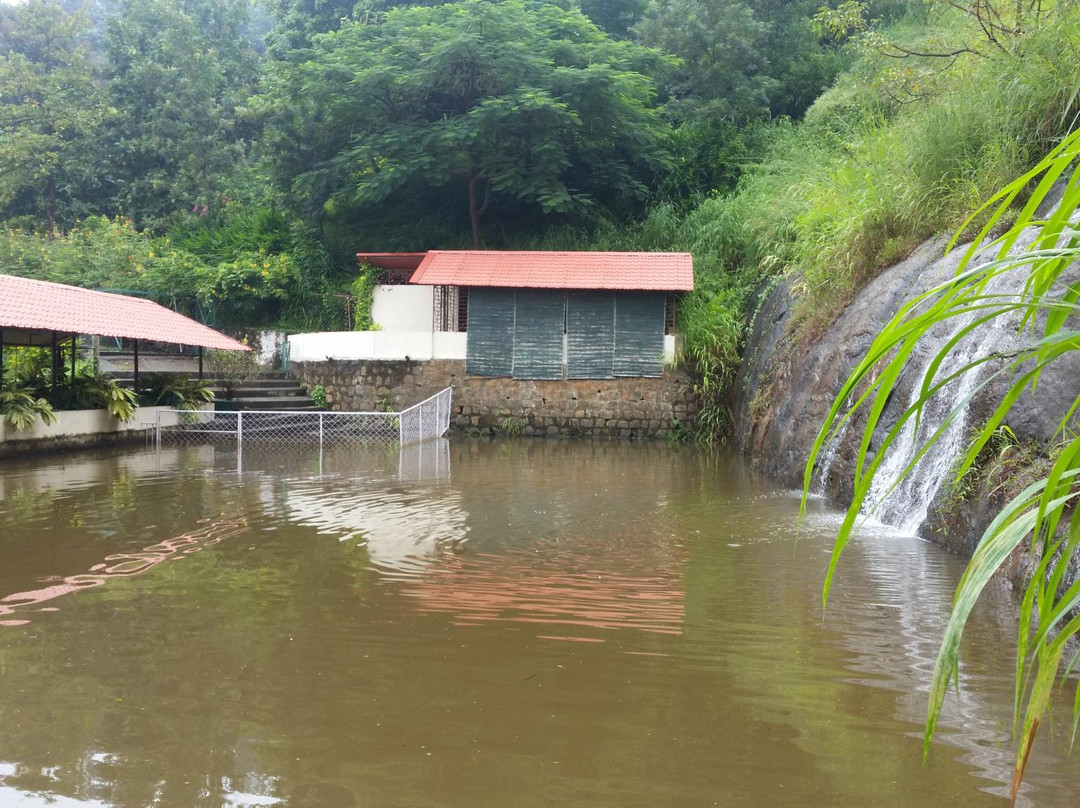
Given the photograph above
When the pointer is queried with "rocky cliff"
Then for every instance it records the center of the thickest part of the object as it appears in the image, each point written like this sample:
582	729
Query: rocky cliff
787	384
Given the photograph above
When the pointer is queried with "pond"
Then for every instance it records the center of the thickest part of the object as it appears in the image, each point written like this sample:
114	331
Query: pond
518	623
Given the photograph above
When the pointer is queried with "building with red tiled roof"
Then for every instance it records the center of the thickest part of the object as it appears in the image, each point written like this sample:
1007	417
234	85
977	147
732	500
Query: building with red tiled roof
544	314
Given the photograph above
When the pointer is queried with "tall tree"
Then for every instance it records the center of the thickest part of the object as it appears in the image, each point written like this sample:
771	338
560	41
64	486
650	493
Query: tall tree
50	105
484	100
179	70
740	59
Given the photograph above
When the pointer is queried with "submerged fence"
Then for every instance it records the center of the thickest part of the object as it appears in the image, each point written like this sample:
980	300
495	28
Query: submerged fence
428	419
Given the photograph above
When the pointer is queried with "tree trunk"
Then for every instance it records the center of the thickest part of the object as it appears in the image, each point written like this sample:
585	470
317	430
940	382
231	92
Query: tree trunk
50	203
477	209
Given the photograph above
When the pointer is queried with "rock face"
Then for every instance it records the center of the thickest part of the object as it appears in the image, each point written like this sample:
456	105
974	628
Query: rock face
786	387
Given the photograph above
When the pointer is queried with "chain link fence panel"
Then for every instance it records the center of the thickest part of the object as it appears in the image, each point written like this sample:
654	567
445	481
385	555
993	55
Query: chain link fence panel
424	421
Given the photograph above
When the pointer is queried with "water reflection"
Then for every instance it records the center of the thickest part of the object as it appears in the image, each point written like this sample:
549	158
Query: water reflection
116	565
521	623
569	590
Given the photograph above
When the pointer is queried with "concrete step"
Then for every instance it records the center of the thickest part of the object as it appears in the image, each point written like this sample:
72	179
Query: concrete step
257	383
264	391
275	403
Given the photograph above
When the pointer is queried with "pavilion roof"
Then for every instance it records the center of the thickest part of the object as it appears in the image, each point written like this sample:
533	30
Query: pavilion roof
37	308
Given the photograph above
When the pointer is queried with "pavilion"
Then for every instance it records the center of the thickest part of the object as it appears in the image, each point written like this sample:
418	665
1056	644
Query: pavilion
44	314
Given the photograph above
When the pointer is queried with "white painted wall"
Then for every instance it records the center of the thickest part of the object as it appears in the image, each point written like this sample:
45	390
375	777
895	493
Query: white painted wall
672	345
386	345
89	422
398	345
270	343
403	308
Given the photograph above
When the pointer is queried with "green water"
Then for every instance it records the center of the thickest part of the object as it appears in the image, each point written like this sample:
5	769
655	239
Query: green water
525	623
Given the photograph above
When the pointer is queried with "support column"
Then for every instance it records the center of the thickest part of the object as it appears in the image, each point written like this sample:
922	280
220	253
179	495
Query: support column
55	360
136	367
200	362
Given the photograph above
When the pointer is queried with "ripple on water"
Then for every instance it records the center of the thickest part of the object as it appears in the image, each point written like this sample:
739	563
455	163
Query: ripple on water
589	625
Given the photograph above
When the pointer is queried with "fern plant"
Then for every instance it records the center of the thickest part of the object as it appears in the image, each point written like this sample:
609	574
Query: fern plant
181	392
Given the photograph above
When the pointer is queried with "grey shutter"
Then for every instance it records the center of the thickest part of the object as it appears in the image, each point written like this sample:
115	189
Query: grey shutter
639	333
490	340
590	335
538	334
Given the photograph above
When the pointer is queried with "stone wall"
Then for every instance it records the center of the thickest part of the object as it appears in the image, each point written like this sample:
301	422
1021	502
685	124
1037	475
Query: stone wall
623	408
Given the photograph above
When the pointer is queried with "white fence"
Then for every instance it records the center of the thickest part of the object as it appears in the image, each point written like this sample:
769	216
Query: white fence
428	419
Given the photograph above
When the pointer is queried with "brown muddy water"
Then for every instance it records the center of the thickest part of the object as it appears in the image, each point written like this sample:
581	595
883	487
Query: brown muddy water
525	623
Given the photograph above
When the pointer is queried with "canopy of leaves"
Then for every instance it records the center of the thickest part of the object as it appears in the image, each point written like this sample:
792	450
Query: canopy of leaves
481	100
178	72
50	107
740	60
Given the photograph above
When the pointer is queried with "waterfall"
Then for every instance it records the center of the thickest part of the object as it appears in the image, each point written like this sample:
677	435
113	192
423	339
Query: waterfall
906	506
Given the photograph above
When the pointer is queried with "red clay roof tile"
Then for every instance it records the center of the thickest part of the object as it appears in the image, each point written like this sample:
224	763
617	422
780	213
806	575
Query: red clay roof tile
31	305
662	272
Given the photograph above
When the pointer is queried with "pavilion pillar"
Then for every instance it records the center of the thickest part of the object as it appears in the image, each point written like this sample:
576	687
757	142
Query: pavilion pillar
136	382
54	347
1	356
200	359
74	342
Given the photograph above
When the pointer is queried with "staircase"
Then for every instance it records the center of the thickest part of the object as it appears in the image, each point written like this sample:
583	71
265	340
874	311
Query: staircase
270	391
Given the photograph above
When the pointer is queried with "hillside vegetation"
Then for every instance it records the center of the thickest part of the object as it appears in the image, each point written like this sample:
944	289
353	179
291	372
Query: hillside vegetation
230	158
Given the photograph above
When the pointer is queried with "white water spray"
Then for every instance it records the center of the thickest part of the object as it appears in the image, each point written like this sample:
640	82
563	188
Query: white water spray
906	506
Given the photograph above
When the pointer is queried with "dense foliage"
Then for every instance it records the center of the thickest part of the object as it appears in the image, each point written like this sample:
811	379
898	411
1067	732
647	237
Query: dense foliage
473	101
167	148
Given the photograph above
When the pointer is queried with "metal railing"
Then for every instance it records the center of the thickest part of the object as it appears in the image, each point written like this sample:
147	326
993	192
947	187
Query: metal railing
428	419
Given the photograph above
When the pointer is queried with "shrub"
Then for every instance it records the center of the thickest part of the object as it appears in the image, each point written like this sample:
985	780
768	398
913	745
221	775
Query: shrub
20	408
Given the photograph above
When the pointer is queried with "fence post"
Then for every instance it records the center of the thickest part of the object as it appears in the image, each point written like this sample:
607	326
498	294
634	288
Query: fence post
239	429
320	431
401	427
157	432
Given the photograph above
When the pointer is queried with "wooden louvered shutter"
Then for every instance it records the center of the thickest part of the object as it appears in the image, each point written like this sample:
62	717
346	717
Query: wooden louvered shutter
590	335
490	341
538	334
639	333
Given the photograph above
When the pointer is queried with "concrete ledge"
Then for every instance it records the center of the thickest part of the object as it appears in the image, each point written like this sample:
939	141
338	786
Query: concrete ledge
398	346
76	429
